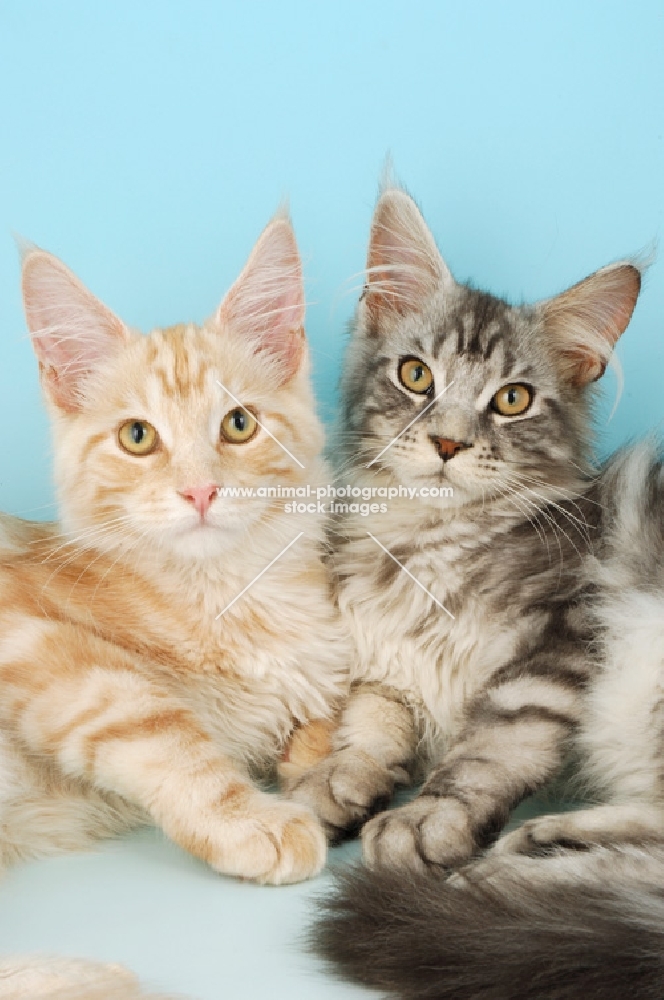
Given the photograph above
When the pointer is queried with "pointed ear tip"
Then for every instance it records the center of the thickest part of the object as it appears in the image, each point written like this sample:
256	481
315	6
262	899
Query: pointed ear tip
30	262
393	195
631	274
280	219
33	256
637	277
30	255
634	267
637	270
631	266
396	207
24	246
281	227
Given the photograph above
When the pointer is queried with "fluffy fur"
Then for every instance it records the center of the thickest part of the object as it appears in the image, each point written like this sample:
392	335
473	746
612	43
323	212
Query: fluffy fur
574	926
69	979
125	696
539	638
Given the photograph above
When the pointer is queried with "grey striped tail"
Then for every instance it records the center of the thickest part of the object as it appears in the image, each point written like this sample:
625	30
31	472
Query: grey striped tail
420	937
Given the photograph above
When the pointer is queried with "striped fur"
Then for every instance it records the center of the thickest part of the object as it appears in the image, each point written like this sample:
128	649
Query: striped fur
124	697
473	678
537	641
567	906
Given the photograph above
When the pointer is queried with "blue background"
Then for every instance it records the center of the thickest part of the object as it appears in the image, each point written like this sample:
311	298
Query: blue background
148	144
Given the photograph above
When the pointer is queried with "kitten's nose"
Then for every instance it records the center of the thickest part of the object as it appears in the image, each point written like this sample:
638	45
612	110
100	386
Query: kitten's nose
447	449
201	496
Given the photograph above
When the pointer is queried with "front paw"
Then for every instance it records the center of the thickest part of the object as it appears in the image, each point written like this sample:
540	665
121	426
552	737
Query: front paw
270	841
427	831
543	835
345	789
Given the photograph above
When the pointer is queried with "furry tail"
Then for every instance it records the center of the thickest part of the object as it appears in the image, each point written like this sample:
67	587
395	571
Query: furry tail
69	979
585	926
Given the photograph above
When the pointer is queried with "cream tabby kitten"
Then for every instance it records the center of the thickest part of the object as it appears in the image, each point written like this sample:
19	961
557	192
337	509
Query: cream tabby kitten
139	682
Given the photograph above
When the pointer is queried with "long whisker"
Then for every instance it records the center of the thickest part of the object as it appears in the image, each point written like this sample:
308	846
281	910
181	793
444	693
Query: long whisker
580	524
511	496
556	527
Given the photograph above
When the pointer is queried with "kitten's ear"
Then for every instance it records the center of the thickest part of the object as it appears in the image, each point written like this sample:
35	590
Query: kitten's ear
266	303
586	321
71	330
404	266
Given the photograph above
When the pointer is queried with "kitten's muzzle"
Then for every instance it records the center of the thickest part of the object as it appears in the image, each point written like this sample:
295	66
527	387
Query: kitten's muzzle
447	448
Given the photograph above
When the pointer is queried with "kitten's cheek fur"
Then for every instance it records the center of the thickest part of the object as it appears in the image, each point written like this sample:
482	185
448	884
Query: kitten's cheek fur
428	831
274	843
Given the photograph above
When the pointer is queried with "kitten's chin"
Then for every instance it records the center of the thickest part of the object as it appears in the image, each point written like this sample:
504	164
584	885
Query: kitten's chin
205	542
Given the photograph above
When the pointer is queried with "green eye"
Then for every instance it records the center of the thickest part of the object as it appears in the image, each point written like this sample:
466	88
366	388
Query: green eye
138	437
239	425
512	400
415	375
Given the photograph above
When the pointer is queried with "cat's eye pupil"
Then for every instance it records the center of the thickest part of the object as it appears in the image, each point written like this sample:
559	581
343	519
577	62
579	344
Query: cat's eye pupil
239	425
415	375
137	432
512	400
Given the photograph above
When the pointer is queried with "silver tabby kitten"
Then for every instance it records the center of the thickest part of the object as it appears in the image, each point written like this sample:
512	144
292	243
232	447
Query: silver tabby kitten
497	630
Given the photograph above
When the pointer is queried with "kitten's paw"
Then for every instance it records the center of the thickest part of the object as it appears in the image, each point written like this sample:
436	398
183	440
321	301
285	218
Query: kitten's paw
427	831
543	835
345	789
308	745
270	841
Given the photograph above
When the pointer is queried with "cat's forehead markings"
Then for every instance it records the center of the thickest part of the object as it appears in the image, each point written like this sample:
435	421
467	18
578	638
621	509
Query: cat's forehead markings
464	329
495	338
480	324
179	367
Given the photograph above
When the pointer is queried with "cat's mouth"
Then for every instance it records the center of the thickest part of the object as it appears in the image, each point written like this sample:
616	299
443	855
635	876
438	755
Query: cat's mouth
207	525
203	525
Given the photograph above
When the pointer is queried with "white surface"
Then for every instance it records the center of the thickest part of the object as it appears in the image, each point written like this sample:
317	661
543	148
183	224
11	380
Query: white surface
143	902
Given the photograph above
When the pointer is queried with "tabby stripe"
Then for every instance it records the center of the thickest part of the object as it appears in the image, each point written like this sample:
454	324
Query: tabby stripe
492	343
543	668
460	338
144	727
491	713
444	779
61	734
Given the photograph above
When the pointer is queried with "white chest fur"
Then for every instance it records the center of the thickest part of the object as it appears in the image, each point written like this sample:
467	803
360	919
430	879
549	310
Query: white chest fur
420	629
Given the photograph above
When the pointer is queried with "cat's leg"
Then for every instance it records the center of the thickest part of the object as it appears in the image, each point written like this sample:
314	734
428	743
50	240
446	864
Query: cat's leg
512	742
372	750
42	812
308	745
81	702
601	826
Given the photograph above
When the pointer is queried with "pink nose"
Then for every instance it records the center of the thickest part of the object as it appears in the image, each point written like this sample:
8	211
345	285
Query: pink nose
201	497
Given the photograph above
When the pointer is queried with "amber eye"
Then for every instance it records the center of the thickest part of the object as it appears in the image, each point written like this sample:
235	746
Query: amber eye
239	425
415	375
138	437
512	400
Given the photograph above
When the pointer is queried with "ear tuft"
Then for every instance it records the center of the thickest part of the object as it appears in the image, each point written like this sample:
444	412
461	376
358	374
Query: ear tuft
404	266
266	303
72	331
585	322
